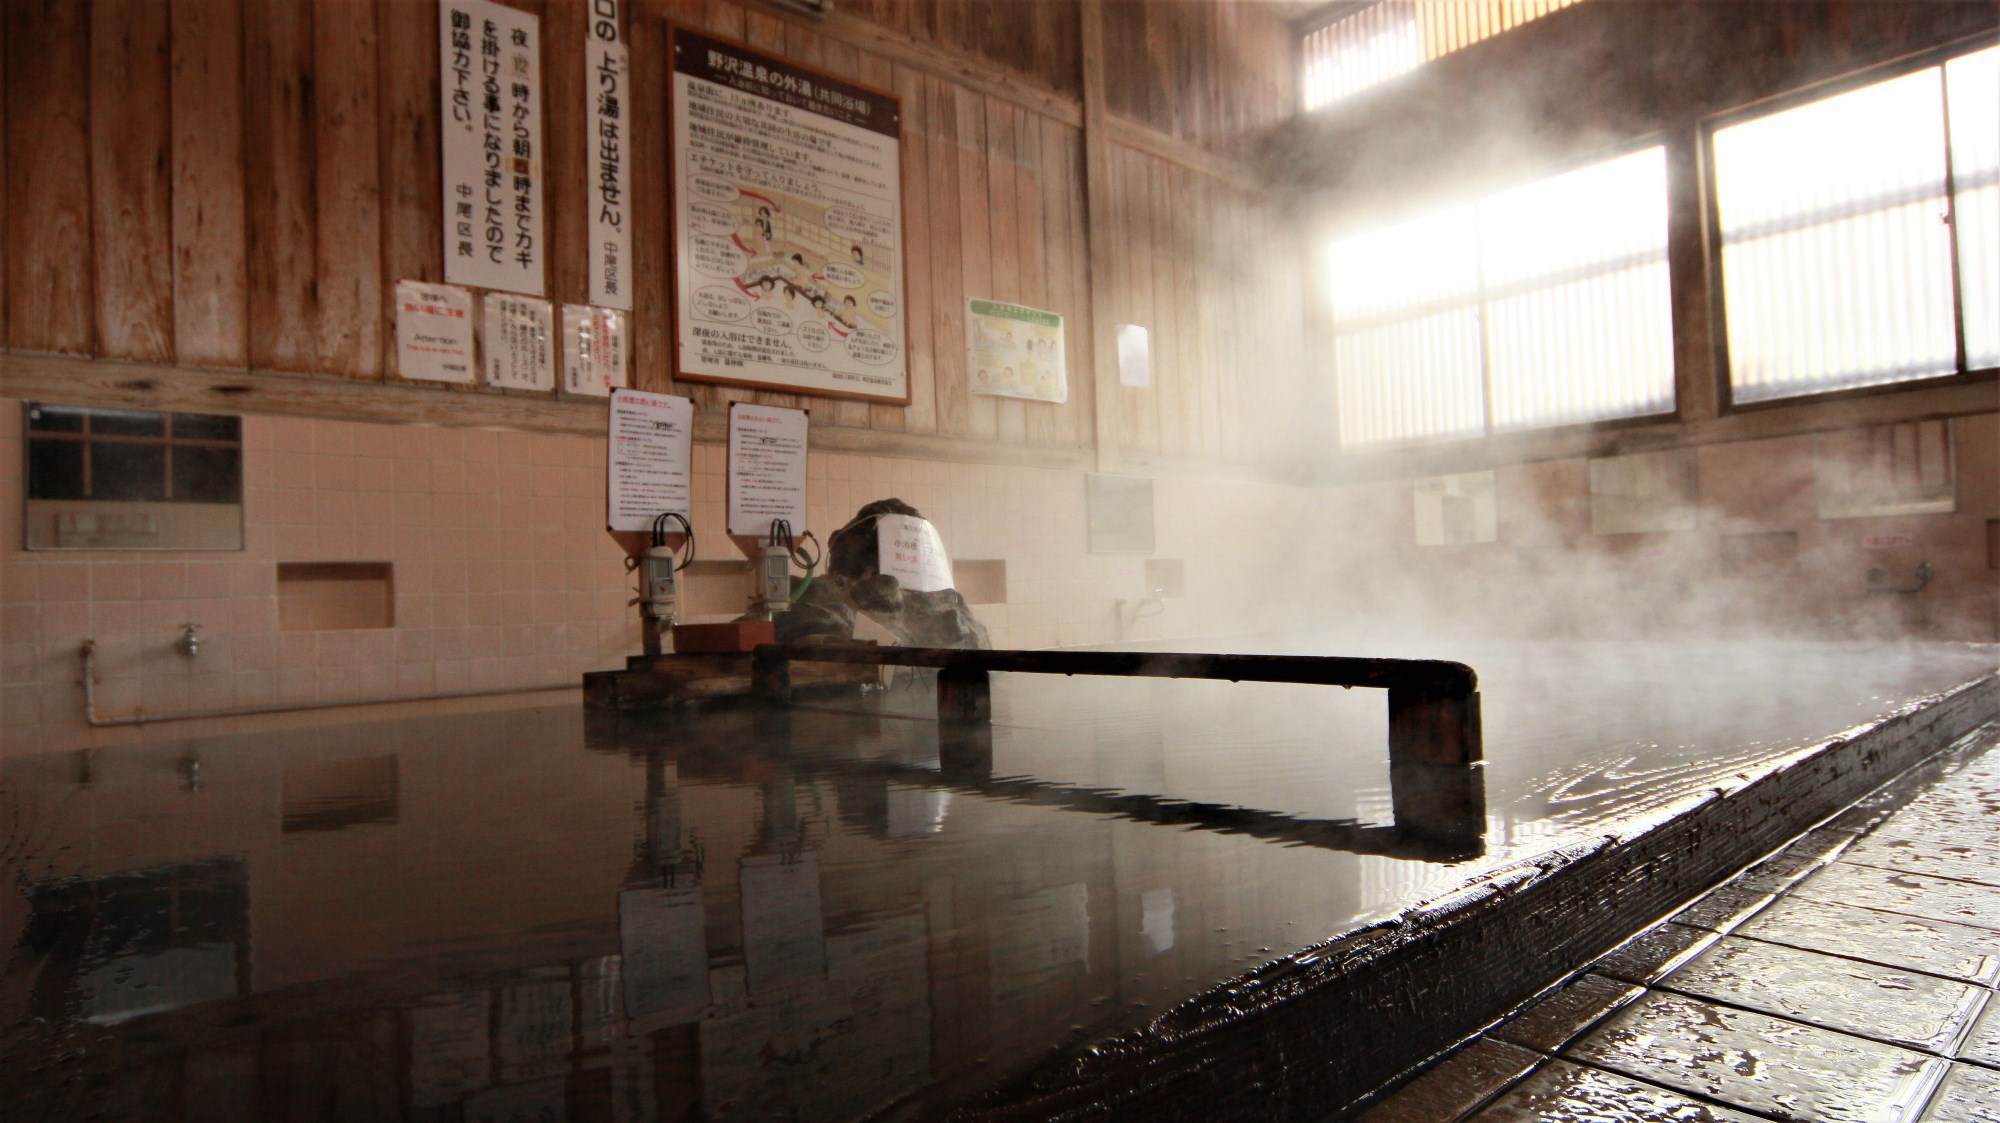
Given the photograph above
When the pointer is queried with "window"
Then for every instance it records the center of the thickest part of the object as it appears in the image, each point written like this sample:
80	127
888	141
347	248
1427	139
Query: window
1860	235
132	479
1364	47
1542	305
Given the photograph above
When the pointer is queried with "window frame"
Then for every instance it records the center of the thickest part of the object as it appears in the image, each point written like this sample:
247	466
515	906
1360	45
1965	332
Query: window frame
1711	221
1653	138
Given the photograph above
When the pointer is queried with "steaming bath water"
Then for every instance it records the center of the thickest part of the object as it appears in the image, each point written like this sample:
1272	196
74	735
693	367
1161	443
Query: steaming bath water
747	914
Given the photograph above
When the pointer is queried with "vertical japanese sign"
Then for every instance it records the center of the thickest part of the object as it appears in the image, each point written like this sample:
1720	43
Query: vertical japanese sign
606	72
651	451
787	225
490	78
519	342
767	468
593	350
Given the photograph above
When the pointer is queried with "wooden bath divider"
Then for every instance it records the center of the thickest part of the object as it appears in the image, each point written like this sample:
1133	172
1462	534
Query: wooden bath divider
1433	704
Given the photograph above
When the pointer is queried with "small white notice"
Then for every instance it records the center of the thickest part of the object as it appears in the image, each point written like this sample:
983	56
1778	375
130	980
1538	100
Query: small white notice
593	350
433	332
519	342
649	456
767	468
490	126
608	108
1135	356
909	549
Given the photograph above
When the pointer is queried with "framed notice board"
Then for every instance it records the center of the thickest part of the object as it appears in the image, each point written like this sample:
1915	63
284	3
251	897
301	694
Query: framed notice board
788	224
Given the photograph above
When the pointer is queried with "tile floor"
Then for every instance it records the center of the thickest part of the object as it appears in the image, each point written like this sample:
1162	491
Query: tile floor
1848	978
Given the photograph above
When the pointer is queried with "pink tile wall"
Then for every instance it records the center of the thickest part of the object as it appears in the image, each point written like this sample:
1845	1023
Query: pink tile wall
504	577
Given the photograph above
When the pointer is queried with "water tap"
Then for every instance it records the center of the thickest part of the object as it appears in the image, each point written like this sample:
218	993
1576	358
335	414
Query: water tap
190	642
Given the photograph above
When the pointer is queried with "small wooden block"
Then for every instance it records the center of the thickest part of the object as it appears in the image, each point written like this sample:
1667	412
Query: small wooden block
733	635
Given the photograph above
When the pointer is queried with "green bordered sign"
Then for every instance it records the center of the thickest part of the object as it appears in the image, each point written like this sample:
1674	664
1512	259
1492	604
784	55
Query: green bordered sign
1015	352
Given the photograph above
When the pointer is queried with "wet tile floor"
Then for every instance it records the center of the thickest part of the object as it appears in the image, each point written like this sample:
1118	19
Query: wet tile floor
1848	978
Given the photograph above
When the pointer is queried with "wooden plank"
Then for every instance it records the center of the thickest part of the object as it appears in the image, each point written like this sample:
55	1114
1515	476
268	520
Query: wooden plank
1003	223
947	277
131	216
348	195
1207	318
210	284
1170	265
1038	419
1140	412
911	254
565	165
279	176
975	240
409	159
1179	412
1083	341
49	277
652	346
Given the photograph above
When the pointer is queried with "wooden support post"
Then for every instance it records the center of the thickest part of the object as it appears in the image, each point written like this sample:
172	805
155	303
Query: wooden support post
649	634
1433	727
965	752
964	694
771	677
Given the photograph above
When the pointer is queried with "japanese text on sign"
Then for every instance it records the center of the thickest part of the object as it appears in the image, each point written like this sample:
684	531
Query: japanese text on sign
491	131
788	222
648	459
767	468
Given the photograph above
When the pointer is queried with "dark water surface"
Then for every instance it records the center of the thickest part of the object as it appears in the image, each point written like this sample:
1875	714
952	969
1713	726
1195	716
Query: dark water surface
801	915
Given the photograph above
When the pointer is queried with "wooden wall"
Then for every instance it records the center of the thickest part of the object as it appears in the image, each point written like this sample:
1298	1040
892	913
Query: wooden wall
1219	75
240	183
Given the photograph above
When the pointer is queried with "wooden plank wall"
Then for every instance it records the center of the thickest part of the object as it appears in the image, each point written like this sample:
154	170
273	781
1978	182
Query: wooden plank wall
1218	75
240	183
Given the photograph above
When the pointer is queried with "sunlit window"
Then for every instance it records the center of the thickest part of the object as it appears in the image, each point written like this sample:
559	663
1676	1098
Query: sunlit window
1542	305
1840	268
1391	37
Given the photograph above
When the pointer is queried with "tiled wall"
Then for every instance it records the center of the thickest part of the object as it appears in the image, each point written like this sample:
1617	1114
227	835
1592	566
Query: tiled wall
504	576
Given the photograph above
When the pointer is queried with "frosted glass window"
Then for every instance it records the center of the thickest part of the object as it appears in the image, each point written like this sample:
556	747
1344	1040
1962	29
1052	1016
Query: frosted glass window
1580	321
1973	83
1541	305
1390	37
1837	235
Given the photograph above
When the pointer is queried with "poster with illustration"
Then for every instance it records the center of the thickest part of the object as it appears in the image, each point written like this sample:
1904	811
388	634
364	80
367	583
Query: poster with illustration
1015	352
787	214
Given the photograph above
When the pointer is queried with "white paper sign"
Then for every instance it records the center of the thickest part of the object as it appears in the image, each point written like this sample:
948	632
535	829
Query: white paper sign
593	350
663	935
490	76
519	342
433	332
787	213
648	464
767	468
909	549
1135	356
607	68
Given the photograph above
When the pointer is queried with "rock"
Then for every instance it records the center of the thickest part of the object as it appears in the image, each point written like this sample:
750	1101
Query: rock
850	552
854	583
824	613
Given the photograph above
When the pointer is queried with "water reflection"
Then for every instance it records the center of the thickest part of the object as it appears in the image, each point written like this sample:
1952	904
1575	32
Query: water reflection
813	914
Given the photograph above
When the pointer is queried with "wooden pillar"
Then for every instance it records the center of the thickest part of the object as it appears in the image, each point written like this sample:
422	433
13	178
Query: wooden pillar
964	695
770	678
1429	727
